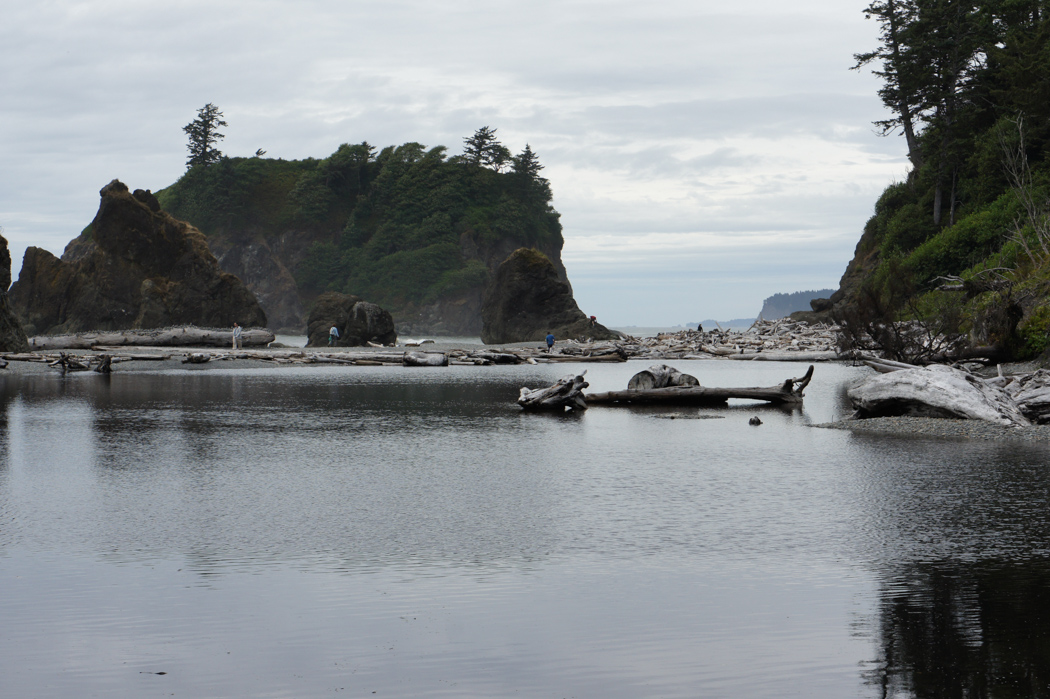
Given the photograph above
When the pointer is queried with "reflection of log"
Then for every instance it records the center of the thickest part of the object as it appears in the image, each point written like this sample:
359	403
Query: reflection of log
425	359
660	376
188	336
566	393
788	392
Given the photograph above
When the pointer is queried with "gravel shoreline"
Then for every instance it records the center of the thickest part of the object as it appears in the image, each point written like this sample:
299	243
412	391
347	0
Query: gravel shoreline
943	428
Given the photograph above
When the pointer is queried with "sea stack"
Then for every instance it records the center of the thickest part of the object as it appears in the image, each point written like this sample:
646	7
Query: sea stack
525	299
12	336
134	267
359	322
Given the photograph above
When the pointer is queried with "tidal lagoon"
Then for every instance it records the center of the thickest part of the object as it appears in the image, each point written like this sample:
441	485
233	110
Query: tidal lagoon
307	532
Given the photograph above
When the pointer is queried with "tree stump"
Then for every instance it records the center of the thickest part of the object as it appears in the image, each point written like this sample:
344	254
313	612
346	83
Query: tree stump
565	394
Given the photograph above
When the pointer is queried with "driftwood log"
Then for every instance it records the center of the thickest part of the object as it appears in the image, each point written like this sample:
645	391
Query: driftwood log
425	359
565	394
936	391
791	391
188	336
71	362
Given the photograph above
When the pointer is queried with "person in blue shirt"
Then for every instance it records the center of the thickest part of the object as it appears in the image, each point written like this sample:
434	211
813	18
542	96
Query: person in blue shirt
550	341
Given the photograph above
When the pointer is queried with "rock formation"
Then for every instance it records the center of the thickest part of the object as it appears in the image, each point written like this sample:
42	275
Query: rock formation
359	322
12	337
526	299
134	267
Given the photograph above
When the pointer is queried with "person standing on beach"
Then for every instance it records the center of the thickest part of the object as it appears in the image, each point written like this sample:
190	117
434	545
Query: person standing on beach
550	341
236	336
333	336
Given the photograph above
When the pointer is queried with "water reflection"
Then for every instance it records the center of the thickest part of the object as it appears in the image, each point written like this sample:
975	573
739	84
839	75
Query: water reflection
957	630
598	554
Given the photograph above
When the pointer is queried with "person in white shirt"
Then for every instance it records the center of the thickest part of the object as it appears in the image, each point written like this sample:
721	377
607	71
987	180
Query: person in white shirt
333	336
236	336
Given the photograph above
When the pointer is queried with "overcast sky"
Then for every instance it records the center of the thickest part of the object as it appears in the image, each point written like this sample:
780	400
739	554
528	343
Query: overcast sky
703	155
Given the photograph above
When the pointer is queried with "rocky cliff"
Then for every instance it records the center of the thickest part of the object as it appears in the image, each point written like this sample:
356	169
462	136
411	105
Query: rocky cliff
12	336
135	266
526	299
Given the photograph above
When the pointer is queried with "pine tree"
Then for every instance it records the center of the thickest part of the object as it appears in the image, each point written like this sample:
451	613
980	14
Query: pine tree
204	135
483	149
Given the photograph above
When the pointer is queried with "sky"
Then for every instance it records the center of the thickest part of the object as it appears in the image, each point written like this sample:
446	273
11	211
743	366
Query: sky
703	155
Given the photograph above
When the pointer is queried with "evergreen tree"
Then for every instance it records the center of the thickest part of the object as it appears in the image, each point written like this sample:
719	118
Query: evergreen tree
203	133
483	149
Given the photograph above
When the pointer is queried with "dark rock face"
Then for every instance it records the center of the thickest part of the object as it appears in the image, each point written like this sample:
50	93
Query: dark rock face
12	337
140	268
526	299
262	264
359	322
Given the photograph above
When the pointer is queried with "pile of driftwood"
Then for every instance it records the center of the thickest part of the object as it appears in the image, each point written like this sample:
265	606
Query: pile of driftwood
940	390
765	340
657	385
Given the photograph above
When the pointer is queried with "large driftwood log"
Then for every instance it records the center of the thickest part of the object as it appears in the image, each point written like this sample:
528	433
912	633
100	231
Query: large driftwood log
425	359
791	391
565	394
660	376
188	336
935	391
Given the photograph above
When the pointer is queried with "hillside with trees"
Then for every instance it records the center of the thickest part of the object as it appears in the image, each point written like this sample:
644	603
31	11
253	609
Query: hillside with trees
408	227
962	245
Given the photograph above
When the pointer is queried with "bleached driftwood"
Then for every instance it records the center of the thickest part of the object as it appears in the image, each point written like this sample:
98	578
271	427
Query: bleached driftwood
660	376
1032	395
187	336
791	391
565	394
935	391
197	358
71	362
425	359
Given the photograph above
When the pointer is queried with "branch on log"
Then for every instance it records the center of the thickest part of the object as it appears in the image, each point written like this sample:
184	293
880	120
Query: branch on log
71	362
105	364
566	393
791	391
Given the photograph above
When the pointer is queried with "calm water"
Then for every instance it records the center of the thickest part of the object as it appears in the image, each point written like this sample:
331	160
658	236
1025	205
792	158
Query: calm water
301	532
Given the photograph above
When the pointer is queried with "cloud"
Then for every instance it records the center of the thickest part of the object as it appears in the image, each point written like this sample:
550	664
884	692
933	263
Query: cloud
736	131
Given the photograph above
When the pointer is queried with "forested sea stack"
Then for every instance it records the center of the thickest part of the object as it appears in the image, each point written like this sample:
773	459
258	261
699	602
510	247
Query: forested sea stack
407	227
12	337
134	267
526	300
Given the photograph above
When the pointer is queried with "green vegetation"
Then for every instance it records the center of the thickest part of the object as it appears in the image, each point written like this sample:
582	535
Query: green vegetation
968	85
403	227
